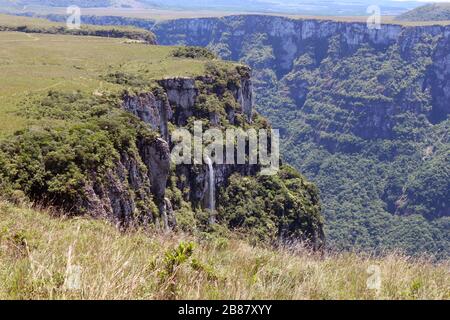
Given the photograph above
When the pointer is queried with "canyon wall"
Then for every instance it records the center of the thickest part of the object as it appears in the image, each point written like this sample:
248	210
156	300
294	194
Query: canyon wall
363	113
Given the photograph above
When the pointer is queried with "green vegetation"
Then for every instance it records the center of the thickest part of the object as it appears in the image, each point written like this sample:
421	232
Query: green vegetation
194	53
380	173
283	206
63	129
62	126
37	63
74	138
27	25
41	253
54	164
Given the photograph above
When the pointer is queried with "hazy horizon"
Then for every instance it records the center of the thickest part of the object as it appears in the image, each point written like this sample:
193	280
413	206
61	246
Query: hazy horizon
308	7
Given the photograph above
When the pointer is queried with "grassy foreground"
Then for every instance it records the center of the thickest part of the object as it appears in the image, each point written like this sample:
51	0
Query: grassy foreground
44	257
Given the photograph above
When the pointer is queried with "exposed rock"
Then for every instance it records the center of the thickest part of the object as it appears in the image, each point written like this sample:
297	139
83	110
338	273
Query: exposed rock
116	197
156	156
181	94
151	110
245	97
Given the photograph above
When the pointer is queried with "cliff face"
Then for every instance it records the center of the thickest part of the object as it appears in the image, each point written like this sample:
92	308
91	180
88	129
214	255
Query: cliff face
131	187
292	35
176	103
288	39
151	110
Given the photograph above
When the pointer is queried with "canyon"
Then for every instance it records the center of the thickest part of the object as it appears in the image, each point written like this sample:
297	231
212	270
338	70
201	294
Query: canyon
363	113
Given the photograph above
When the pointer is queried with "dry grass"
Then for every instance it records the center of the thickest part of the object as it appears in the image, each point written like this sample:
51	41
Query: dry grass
37	250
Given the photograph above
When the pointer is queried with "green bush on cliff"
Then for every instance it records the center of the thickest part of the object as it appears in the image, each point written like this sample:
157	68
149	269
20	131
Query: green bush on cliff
128	79
284	206
193	53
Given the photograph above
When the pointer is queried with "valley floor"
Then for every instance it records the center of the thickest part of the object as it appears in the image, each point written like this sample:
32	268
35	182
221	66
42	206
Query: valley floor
45	257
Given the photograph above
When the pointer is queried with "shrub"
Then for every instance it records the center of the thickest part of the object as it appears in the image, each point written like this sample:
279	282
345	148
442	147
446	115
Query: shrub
193	53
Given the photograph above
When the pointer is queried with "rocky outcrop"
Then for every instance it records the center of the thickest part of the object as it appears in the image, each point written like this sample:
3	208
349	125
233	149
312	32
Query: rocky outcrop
175	103
181	94
134	189
440	79
125	194
150	109
245	97
156	157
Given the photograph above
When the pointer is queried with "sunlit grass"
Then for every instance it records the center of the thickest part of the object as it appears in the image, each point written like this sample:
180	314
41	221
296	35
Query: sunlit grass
37	63
37	249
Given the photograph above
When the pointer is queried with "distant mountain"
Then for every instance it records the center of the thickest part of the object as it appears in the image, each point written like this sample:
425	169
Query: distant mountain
429	12
309	7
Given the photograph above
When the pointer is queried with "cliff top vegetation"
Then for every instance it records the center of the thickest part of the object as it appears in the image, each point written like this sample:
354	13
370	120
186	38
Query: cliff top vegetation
37	25
36	63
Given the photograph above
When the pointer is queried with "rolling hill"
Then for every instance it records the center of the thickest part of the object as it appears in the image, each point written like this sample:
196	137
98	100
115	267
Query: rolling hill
429	12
